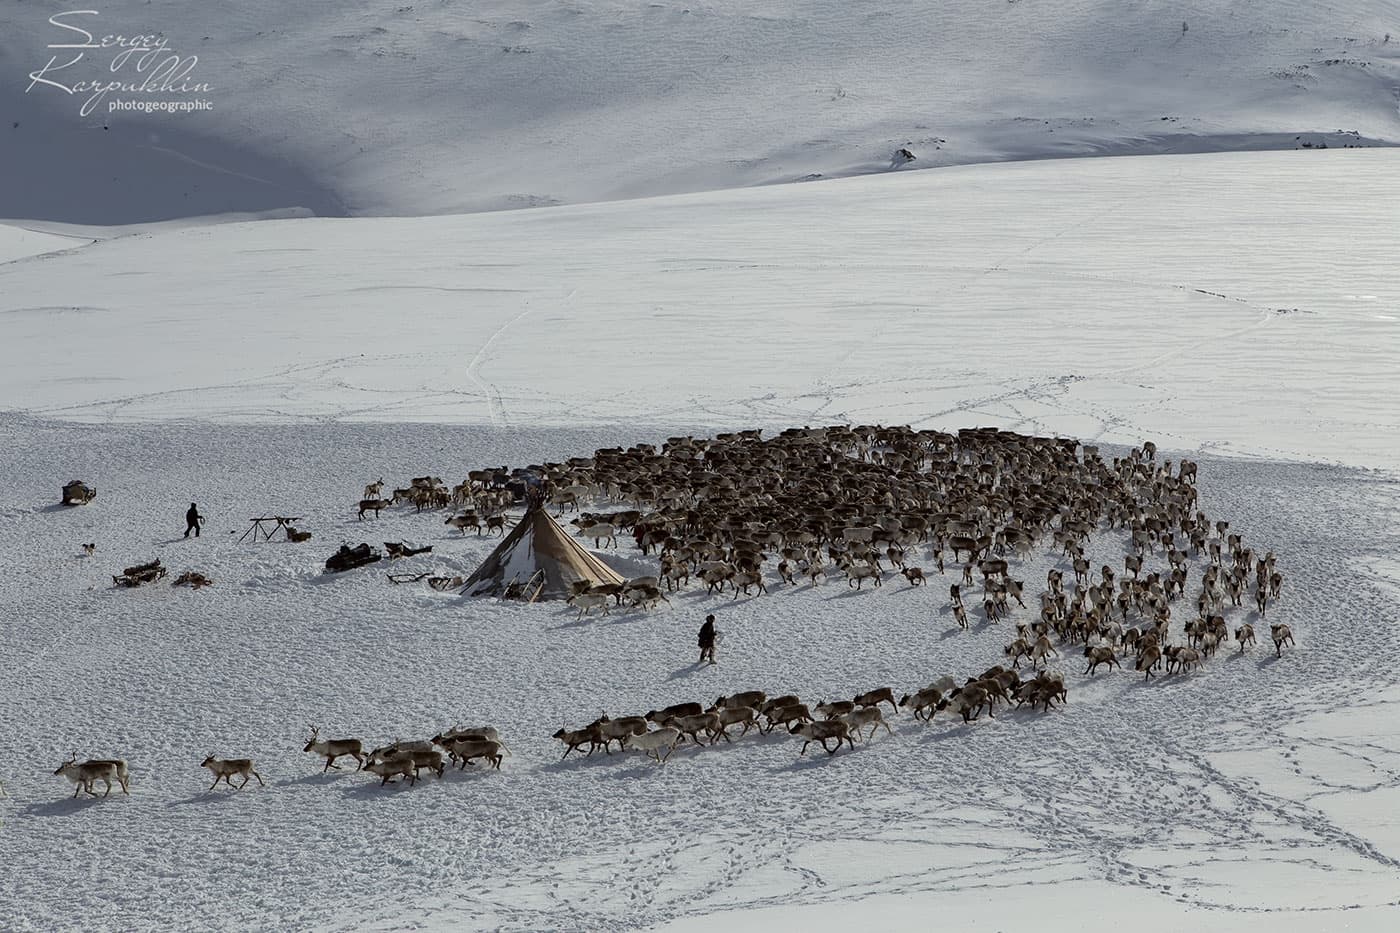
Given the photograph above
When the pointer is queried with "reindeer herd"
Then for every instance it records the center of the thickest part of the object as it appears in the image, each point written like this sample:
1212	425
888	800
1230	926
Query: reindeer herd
744	515
659	732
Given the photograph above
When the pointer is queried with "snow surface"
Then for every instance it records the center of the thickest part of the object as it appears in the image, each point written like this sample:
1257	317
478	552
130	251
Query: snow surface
1257	792
1242	303
434	106
1237	308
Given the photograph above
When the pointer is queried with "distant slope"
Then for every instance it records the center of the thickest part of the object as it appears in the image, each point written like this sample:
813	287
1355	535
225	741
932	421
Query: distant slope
17	243
1241	302
410	107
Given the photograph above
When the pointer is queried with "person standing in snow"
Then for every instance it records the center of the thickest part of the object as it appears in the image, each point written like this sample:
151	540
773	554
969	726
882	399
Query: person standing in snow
192	521
707	640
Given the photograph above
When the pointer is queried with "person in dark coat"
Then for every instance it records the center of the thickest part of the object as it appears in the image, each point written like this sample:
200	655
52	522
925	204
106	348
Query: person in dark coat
192	521
707	640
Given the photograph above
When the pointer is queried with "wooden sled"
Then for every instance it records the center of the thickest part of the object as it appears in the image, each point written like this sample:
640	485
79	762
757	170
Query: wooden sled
407	577
141	573
398	549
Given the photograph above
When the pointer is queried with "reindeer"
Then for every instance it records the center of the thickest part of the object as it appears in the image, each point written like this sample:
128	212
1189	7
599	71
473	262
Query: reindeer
1041	650
85	774
394	766
823	732
1100	655
856	574
587	602
1014	589
575	739
332	749
464	521
651	743
1282	635
373	490
372	505
923	702
225	768
1016	650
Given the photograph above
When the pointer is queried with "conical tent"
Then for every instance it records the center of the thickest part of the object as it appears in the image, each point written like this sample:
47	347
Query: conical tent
536	545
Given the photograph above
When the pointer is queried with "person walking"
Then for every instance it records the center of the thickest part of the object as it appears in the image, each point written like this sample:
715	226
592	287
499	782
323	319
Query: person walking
706	640
193	520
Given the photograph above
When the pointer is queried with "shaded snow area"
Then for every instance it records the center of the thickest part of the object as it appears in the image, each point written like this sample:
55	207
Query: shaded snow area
1258	793
1237	303
387	107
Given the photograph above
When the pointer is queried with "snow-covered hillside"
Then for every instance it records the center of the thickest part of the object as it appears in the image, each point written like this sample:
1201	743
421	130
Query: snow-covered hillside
1242	303
412	107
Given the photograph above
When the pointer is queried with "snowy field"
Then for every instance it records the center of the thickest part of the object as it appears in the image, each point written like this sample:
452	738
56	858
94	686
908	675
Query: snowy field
1235	303
411	107
1257	793
1237	308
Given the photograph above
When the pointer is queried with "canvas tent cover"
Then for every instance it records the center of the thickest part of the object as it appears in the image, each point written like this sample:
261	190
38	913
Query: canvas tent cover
538	543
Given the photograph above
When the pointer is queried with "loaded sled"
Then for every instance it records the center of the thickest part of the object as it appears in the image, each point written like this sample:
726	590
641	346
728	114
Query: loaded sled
78	493
348	558
141	573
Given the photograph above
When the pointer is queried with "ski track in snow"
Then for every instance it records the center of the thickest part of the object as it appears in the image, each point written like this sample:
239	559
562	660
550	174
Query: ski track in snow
1251	788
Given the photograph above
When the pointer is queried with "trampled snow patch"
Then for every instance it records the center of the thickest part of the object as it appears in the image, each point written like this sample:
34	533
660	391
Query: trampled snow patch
1243	796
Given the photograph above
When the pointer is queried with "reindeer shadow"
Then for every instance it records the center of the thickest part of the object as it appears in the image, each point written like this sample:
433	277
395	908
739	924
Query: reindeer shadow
330	777
475	771
577	762
682	673
849	593
644	770
205	797
816	757
369	790
570	623
959	730
66	806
